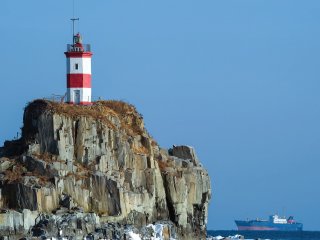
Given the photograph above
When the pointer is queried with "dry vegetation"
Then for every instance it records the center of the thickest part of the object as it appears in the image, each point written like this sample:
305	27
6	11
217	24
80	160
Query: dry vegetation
77	176
164	164
85	169
131	120
43	180
18	171
168	162
47	157
15	174
153	143
140	150
82	172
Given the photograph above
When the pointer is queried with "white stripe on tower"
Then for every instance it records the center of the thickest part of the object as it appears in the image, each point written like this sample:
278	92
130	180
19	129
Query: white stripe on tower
79	65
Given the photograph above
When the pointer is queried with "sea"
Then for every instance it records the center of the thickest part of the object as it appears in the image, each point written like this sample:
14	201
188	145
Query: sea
278	235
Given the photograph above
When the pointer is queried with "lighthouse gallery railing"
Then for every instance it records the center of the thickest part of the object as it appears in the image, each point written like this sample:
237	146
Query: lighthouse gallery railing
72	48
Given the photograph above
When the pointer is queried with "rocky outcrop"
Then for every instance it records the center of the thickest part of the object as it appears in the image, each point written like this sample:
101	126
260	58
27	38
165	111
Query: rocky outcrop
100	159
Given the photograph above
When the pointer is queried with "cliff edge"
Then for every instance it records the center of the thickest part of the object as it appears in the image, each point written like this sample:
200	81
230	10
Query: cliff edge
78	169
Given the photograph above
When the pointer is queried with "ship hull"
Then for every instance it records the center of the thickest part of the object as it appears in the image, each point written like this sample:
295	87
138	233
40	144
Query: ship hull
267	226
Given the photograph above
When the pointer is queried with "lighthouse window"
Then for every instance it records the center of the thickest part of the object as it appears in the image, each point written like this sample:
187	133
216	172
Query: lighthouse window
76	66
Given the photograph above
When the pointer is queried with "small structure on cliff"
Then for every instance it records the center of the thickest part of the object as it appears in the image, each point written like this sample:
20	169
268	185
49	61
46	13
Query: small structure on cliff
78	71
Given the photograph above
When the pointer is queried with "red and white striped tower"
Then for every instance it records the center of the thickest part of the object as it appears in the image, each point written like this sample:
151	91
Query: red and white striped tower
78	72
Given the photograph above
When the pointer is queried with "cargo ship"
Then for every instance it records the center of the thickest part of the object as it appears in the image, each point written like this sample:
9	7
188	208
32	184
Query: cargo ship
275	223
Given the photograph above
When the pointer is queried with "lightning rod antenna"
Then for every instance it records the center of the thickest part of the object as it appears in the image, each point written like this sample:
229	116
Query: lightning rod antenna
73	19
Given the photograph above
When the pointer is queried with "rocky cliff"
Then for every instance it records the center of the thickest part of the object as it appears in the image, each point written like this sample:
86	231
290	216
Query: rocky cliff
98	163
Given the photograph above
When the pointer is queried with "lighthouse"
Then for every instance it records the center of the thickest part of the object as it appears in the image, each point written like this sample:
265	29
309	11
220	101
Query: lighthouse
78	72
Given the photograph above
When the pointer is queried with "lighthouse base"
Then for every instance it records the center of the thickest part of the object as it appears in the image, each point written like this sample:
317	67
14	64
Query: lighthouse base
79	96
81	103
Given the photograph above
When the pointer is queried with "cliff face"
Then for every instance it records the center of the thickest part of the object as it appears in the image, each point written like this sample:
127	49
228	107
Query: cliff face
101	159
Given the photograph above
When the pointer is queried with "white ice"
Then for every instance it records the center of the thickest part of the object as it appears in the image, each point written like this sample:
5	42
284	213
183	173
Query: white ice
134	236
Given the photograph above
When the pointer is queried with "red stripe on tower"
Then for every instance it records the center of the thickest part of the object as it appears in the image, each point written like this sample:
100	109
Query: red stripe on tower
77	80
79	54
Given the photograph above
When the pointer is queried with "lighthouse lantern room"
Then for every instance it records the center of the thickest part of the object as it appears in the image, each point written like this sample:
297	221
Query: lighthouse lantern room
78	72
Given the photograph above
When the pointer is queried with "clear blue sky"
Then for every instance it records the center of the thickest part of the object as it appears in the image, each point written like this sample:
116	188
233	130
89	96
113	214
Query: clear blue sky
238	80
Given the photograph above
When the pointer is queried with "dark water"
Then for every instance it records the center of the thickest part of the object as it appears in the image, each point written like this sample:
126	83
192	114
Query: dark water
269	234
